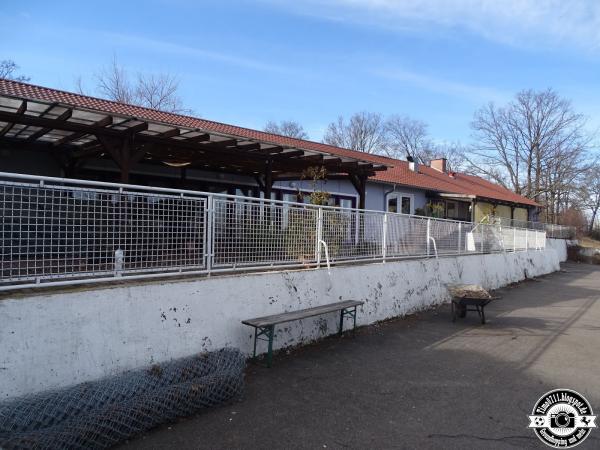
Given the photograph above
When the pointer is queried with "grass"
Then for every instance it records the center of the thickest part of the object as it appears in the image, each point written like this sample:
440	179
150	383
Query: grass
589	242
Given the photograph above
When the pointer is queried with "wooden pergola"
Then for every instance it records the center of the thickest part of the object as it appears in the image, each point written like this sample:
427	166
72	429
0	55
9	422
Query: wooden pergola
76	134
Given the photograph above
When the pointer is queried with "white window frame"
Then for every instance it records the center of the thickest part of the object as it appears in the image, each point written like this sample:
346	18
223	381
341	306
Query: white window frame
399	196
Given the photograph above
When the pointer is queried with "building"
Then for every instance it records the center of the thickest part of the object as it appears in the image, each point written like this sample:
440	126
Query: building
49	132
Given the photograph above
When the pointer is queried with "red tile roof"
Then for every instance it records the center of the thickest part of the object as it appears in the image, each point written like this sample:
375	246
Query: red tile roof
434	180
398	171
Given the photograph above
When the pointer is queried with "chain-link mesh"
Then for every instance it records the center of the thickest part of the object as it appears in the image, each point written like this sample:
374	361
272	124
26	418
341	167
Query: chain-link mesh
102	413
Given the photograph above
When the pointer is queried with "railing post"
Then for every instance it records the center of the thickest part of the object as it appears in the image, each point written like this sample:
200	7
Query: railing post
319	236
481	239
209	233
459	237
428	234
384	237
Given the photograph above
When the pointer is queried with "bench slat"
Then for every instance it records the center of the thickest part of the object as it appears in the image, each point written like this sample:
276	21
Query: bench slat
300	314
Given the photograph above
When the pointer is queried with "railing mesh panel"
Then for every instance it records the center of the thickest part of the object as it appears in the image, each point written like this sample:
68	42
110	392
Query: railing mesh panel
60	230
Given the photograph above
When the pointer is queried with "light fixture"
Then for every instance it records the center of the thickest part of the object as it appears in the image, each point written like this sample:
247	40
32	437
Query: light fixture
177	163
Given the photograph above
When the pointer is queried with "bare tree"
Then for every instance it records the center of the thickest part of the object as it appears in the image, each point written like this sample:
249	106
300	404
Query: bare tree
113	83
364	132
8	69
495	154
453	152
408	137
287	128
536	145
589	194
159	92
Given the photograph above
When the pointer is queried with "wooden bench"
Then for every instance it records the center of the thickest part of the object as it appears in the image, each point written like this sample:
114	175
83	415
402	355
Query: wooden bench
265	326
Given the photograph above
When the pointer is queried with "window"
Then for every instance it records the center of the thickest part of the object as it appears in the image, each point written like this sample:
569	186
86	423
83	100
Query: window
406	201
451	210
345	203
398	202
392	205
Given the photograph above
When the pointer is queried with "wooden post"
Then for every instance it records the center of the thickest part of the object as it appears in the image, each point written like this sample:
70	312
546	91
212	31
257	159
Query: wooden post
268	179
123	152
360	184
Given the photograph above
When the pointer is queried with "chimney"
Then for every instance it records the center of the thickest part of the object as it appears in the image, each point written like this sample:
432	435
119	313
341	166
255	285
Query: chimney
412	164
439	164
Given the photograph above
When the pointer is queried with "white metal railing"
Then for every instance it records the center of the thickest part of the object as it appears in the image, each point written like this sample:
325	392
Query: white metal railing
61	231
552	230
560	231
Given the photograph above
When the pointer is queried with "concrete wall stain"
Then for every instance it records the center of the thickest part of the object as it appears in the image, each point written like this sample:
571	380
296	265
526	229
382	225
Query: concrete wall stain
86	334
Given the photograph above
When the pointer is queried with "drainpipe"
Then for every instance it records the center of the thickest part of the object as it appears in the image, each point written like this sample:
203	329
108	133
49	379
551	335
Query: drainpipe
385	196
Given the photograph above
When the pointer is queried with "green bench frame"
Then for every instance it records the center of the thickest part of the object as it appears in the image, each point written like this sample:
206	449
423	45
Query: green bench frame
264	327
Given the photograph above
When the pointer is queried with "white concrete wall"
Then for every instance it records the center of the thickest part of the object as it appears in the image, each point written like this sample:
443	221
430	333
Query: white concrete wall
61	338
559	246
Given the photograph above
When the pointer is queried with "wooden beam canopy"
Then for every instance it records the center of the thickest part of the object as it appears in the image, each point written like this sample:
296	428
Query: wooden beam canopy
129	140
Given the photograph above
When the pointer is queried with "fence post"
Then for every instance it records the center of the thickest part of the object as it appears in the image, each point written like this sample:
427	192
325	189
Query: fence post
459	237
209	233
384	237
536	240
481	238
526	240
514	239
319	236
428	234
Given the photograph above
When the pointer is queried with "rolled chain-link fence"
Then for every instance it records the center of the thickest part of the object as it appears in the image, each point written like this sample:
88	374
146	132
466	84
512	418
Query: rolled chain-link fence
102	413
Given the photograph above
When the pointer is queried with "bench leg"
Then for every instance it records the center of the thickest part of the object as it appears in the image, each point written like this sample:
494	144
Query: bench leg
270	331
255	337
347	312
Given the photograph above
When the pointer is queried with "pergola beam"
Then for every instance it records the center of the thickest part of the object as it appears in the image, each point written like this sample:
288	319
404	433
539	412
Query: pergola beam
104	122
38	134
20	111
170	133
199	149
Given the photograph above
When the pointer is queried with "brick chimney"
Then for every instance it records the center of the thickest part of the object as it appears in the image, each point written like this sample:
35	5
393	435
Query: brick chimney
439	164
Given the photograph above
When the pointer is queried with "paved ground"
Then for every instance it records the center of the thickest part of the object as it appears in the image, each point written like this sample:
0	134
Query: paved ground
421	382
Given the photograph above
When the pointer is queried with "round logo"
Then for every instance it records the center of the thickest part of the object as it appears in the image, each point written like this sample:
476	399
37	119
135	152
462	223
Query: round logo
562	418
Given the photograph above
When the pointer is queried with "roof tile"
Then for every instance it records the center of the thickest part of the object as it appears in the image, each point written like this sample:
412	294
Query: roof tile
398	171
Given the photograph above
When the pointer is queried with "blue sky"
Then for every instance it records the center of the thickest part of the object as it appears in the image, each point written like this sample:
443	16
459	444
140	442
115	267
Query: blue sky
247	62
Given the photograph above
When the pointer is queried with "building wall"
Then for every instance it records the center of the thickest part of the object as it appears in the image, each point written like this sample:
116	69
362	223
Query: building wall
482	209
521	214
59	338
376	195
503	211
